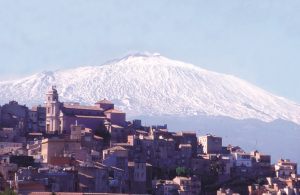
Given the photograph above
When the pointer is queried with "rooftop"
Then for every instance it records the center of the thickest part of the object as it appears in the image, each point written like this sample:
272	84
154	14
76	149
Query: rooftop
185	145
114	111
117	148
86	116
104	101
131	164
81	107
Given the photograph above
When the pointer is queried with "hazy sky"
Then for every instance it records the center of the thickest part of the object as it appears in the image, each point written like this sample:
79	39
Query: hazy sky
257	40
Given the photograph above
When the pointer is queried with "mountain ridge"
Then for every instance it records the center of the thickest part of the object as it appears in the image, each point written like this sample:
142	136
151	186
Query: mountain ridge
151	83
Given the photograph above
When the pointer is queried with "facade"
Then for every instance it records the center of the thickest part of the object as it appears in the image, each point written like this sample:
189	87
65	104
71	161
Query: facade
31	179
33	120
188	138
188	185
179	185
52	111
242	159
165	187
93	179
116	156
57	147
211	144
140	177
37	119
14	115
285	168
7	170
7	147
60	116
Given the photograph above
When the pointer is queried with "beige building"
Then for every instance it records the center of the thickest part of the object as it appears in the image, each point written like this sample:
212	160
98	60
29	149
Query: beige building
211	144
6	147
285	168
57	147
188	185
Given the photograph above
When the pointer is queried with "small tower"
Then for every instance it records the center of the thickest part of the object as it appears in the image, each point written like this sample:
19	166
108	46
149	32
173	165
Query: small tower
52	111
151	133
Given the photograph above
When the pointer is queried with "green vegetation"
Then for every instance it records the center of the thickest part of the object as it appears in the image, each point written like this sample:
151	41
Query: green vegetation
8	192
182	171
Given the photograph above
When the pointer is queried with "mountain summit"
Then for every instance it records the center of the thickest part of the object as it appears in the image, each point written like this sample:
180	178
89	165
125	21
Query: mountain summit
150	84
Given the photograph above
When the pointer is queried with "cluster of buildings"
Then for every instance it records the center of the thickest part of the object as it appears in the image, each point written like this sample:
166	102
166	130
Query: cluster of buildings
286	181
61	148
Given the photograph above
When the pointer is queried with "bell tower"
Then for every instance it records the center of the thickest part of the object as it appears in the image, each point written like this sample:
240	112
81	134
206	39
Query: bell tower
52	111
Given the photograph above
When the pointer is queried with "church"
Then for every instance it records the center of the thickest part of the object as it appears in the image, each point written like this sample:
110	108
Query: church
60	116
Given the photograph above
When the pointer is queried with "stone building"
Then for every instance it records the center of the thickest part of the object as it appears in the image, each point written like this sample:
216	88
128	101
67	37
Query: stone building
140	177
211	144
58	147
285	168
14	115
179	185
116	156
60	116
93	178
37	119
187	138
45	179
188	185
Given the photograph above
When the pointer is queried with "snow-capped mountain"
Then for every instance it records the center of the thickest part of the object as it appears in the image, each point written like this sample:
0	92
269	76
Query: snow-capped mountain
150	84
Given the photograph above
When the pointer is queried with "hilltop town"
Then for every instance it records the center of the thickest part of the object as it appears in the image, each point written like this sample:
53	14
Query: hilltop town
69	148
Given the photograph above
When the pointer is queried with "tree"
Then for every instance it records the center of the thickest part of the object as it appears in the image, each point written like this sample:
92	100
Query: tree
182	171
8	192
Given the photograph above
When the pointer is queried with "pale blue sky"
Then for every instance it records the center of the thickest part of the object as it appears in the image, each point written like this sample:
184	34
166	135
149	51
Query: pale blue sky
257	40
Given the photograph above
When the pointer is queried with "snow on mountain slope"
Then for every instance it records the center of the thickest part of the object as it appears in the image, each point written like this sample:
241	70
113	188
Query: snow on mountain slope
150	84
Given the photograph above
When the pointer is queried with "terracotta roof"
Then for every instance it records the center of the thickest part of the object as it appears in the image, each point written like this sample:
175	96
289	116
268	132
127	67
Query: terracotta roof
59	161
30	185
113	111
85	116
80	107
104	101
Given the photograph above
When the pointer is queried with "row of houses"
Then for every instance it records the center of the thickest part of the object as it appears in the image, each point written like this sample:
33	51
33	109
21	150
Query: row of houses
68	147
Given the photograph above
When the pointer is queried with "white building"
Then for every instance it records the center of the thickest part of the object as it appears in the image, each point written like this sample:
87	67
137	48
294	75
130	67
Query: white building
242	159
